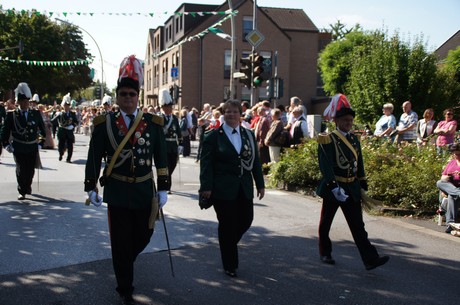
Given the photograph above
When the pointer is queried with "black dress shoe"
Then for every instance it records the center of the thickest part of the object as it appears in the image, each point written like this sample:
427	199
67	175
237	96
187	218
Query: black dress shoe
449	229
230	272
21	197
379	261
127	300
60	158
68	161
327	259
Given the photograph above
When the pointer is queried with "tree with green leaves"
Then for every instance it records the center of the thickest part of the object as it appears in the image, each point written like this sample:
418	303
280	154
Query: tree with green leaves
43	41
372	69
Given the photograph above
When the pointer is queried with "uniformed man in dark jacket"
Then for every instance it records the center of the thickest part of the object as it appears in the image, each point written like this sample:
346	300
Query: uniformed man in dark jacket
67	121
343	176
129	189
2	119
172	133
26	128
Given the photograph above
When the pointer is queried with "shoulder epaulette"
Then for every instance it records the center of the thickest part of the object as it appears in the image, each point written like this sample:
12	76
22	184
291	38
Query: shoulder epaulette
158	119
99	119
324	138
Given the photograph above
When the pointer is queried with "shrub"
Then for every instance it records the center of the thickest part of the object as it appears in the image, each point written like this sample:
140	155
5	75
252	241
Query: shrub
401	176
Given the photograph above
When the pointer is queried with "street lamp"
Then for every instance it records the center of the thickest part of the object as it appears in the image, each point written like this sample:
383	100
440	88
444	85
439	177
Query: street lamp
100	53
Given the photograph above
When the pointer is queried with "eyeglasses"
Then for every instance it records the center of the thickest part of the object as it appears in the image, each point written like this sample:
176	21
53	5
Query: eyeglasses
124	93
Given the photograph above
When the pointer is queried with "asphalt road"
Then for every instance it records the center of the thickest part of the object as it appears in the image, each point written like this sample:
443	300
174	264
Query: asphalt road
55	250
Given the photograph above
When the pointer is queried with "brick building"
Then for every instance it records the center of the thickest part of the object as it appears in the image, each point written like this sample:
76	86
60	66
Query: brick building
201	65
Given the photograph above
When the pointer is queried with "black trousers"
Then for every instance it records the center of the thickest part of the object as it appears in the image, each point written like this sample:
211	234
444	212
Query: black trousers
354	216
235	218
187	146
129	235
25	170
172	163
66	141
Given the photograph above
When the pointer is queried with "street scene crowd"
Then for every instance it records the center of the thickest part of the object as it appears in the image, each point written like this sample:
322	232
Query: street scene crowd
235	141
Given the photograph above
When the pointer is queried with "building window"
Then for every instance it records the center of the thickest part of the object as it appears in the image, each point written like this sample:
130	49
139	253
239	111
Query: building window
177	59
247	26
170	32
177	25
181	21
227	63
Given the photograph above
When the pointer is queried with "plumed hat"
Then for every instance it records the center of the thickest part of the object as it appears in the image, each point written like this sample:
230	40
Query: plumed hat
35	98
22	92
107	99
66	100
165	98
131	74
339	106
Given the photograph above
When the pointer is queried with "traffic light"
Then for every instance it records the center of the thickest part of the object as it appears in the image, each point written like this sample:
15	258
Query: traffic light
258	69
246	69
171	91
270	88
176	93
97	92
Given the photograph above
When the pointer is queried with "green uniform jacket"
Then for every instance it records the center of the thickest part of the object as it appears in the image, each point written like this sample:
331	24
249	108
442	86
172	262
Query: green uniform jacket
172	134
338	162
222	170
146	144
26	135
64	121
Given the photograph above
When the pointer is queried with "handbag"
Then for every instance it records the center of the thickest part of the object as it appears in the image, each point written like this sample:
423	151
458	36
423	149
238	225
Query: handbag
282	139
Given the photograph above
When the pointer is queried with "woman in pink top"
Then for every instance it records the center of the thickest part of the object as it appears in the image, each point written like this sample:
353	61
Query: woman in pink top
450	185
446	130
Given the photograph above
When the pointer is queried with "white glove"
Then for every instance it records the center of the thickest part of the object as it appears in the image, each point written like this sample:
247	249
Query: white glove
70	127
9	149
94	198
180	149
339	194
162	198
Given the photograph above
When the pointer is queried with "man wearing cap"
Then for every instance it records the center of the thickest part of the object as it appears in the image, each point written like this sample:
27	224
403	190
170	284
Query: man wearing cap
67	120
171	131
129	188
343	176
26	128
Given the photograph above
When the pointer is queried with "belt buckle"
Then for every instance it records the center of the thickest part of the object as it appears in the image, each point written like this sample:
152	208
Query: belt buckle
132	179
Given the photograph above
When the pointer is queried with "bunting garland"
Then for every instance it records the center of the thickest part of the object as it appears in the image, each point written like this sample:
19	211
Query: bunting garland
32	12
212	29
48	62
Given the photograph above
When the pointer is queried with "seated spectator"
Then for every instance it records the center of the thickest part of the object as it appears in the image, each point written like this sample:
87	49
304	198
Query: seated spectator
425	128
446	131
387	122
450	185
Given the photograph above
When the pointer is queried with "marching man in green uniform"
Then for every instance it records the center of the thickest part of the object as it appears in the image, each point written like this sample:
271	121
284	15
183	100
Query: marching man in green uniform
172	133
26	128
130	140
229	166
67	121
342	168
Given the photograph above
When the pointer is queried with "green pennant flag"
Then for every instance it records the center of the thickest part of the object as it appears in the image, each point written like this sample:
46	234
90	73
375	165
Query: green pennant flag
65	14
151	14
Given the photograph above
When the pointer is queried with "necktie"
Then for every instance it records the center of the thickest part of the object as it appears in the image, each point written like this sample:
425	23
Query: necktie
131	120
24	113
348	137
234	131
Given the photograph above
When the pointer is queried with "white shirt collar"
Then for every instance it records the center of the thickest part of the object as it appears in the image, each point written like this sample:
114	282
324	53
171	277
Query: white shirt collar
229	129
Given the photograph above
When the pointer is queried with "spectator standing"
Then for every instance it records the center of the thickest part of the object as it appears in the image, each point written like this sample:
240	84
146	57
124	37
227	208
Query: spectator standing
387	122
425	128
185	131
261	130
446	130
299	128
276	128
406	130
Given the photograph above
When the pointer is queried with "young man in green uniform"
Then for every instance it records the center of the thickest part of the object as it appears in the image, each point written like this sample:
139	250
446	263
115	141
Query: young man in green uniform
341	164
26	128
129	189
67	121
172	133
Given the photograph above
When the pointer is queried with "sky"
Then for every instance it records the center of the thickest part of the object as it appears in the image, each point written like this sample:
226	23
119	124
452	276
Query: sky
120	34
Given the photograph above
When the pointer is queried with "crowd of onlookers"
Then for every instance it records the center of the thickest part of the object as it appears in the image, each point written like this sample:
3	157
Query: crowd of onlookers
425	131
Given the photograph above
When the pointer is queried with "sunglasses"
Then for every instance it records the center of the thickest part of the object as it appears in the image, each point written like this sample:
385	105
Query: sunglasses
123	93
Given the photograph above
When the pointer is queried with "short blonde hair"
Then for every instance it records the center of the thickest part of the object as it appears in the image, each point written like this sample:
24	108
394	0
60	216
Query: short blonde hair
389	106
